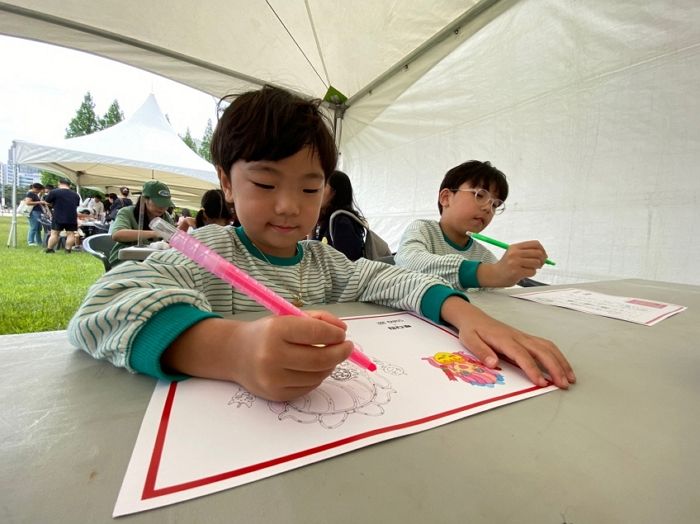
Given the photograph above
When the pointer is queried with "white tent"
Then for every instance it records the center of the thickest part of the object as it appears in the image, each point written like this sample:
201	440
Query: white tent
589	107
140	148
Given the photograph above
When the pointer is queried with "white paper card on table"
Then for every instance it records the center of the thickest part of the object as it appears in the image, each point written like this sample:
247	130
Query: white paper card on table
203	436
637	310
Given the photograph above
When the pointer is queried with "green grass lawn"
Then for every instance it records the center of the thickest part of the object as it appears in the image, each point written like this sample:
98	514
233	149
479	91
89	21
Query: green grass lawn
39	291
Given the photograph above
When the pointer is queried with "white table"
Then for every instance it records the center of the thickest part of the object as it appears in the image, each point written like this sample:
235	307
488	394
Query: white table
619	447
135	253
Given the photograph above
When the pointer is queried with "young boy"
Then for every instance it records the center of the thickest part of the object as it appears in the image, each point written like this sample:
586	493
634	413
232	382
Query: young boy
273	152
470	195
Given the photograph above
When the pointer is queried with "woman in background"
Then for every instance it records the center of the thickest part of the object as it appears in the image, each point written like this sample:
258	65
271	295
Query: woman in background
131	228
347	235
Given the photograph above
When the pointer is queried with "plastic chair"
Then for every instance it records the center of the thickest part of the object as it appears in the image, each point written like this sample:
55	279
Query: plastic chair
100	246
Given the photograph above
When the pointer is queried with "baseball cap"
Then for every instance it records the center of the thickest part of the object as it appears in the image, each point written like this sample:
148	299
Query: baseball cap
158	192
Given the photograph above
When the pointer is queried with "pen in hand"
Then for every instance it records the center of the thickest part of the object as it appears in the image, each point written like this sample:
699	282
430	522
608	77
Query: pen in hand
498	243
225	270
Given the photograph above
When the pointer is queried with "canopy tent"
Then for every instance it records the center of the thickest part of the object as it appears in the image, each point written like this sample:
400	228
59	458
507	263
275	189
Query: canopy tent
588	107
140	148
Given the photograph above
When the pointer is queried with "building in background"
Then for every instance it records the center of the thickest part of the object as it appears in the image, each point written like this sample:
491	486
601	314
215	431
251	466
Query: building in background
26	176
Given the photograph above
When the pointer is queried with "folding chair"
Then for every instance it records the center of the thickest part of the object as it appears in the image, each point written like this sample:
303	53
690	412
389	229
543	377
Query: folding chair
99	246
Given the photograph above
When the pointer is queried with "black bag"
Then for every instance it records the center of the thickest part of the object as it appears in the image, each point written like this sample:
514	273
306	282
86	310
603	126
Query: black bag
375	246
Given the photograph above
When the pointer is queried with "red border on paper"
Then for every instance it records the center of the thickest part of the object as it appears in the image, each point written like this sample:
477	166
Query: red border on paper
150	491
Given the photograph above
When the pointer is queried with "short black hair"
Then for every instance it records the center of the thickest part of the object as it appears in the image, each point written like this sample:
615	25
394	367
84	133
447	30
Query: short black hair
214	205
272	124
479	175
37	185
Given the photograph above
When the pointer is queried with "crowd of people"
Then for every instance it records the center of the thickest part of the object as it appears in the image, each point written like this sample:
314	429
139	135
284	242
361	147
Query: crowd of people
59	219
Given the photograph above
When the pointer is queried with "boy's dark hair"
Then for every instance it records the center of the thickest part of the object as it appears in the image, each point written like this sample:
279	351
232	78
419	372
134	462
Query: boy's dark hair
37	185
50	186
271	124
479	175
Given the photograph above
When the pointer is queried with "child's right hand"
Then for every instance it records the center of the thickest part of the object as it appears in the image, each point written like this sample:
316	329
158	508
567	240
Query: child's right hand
276	357
521	260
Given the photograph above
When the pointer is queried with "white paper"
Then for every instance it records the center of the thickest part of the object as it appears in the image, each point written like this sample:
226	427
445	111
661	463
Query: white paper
202	436
637	310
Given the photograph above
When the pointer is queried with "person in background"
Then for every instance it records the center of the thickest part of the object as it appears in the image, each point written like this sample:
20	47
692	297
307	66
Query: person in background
64	203
46	216
214	210
170	318
129	227
470	195
126	201
185	221
97	208
33	200
116	203
347	235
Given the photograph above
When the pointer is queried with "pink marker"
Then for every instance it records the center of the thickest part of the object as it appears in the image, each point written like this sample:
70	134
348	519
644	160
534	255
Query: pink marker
225	270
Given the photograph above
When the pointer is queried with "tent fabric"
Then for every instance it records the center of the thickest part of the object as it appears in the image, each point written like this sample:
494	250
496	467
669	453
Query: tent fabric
590	108
141	147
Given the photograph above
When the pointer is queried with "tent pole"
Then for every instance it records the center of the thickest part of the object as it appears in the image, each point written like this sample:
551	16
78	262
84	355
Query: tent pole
338	114
12	237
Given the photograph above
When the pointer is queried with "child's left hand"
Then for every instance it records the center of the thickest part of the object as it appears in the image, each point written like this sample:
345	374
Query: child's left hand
485	336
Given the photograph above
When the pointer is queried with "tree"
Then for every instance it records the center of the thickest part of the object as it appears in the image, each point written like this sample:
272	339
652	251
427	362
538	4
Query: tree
113	116
205	145
84	122
187	139
49	178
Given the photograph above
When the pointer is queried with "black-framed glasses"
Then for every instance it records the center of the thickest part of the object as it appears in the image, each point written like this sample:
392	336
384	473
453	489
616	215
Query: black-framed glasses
484	198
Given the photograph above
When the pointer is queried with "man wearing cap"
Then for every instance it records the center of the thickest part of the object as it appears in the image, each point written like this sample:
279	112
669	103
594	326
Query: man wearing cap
131	225
64	203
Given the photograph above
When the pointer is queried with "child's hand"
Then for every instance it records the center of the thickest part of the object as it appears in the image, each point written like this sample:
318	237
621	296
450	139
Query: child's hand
276	357
484	337
520	261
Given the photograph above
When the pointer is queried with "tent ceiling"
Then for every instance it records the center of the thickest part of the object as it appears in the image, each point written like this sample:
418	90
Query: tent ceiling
229	45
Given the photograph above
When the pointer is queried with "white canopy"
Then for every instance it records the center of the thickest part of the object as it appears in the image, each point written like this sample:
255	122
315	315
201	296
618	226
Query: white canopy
140	148
590	108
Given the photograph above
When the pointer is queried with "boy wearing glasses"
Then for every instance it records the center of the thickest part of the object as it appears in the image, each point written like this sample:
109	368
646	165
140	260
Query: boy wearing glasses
470	195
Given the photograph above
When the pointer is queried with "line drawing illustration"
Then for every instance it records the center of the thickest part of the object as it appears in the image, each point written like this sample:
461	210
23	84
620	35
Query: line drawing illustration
348	391
242	397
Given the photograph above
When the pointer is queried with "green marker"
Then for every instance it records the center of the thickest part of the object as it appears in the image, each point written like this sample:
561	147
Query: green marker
500	244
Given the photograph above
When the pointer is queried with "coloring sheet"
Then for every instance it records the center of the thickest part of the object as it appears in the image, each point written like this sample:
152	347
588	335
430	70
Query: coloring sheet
637	310
203	436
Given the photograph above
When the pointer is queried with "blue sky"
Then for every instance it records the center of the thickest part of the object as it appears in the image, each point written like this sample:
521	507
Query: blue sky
44	85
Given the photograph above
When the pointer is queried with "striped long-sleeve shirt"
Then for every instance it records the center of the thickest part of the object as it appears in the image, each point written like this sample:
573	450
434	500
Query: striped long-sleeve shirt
133	313
426	249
